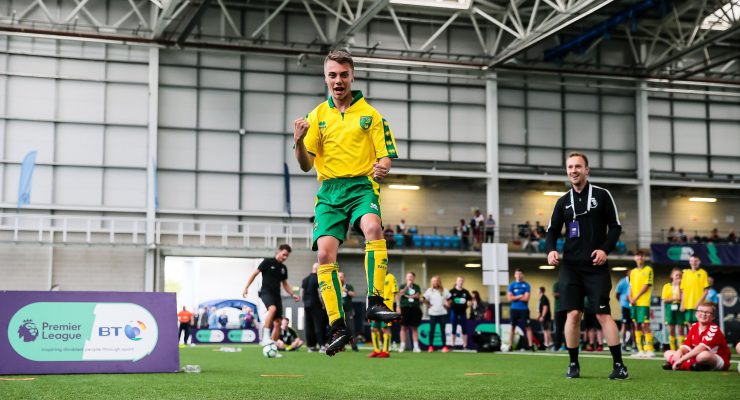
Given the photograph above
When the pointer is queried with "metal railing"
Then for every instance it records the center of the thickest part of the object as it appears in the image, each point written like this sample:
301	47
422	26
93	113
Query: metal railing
73	229
81	229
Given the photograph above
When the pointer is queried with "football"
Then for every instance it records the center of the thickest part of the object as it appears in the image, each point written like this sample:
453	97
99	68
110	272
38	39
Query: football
269	350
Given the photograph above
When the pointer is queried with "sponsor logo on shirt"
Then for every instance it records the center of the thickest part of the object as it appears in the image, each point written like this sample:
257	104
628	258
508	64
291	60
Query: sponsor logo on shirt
374	206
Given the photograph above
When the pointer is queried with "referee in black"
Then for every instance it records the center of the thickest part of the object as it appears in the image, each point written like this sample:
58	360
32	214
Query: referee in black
592	230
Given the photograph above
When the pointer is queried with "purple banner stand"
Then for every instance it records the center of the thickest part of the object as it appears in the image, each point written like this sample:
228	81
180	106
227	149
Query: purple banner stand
87	332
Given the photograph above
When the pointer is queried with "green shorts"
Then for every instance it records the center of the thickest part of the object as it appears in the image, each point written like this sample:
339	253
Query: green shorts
341	202
689	316
673	317
640	314
380	325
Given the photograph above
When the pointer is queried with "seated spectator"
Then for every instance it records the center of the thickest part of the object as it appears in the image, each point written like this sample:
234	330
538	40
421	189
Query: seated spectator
289	340
529	238
732	237
539	230
714	237
705	347
402	228
682	237
389	236
672	235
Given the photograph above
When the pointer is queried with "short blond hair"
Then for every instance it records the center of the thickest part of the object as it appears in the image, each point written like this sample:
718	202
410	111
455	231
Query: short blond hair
340	57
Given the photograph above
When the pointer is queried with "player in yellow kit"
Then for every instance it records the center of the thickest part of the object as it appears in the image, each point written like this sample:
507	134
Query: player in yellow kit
351	146
390	290
694	289
641	288
674	318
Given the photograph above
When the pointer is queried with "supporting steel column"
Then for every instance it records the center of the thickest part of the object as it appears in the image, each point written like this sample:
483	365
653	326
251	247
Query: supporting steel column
644	212
151	169
492	184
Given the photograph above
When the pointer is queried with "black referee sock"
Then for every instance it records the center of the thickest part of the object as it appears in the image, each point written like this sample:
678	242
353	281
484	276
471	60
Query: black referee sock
573	353
616	351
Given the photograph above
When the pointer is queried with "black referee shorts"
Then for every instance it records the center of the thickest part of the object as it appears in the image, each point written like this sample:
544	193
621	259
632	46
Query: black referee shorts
272	299
580	281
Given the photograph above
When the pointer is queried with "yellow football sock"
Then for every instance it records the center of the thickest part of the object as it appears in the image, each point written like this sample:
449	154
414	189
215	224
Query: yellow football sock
649	342
638	340
672	342
376	341
330	289
386	341
376	266
681	338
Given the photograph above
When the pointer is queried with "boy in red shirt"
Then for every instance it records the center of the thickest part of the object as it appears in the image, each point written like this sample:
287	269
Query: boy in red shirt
705	347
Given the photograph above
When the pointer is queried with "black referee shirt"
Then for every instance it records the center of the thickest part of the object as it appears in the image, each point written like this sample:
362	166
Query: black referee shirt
599	227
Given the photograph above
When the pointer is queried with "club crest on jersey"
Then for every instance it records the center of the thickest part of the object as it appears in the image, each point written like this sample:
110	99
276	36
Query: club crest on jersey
365	122
594	203
322	126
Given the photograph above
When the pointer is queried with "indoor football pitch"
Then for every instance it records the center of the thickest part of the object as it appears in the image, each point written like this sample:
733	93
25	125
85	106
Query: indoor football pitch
458	375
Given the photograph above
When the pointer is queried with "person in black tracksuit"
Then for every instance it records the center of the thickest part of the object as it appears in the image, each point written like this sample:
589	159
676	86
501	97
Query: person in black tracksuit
592	230
315	315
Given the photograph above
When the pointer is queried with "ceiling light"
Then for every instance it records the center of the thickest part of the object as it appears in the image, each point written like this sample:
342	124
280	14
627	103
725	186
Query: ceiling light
556	194
472	265
703	199
404	187
619	268
546	267
451	4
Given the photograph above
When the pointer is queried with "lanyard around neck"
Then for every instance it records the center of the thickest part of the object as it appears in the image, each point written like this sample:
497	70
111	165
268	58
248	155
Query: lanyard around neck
573	204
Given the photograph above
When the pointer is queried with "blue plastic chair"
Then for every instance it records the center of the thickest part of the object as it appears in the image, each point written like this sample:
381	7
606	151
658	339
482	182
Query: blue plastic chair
436	241
417	240
399	240
427	241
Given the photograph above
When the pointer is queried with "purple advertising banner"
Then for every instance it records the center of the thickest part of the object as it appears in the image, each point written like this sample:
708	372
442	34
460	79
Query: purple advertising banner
87	332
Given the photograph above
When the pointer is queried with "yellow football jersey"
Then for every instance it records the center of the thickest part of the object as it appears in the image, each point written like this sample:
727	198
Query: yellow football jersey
669	293
639	277
348	144
692	286
390	290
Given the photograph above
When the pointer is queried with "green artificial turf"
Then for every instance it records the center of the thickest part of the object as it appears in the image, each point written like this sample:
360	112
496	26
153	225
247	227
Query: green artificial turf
238	375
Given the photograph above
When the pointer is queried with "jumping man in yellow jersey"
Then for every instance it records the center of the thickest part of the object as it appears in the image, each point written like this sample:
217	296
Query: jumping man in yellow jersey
351	146
694	289
390	290
641	287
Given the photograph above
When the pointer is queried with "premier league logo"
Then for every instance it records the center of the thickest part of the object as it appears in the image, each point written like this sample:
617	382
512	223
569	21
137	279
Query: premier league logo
28	331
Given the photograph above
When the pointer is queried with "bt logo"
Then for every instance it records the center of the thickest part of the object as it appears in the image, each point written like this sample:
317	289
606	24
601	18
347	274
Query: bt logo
133	330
